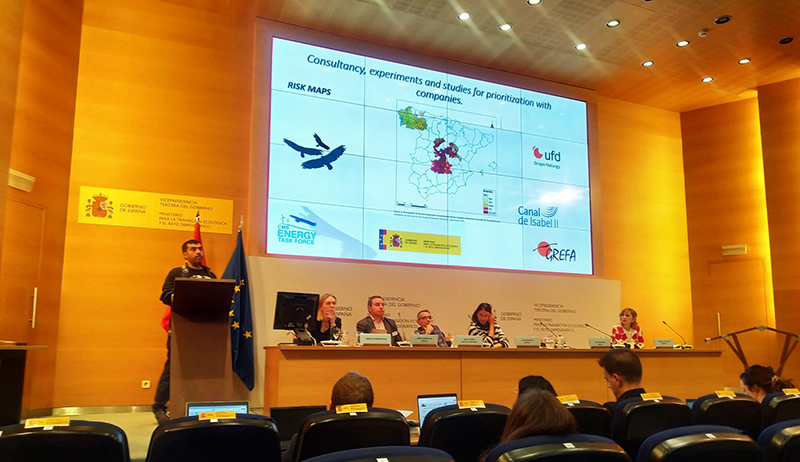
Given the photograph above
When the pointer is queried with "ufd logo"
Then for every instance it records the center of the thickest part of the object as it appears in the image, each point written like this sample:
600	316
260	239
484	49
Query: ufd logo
552	155
552	253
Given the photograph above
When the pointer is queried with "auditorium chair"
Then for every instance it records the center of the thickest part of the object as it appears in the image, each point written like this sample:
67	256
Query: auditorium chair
82	440
389	453
559	448
700	443
635	420
740	411
248	437
327	431
777	407
780	442
593	418
464	433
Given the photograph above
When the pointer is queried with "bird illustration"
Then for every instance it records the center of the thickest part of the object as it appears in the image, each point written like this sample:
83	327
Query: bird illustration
303	220
302	149
325	160
320	143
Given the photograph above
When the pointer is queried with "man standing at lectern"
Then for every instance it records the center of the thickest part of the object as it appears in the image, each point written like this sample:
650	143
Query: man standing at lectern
376	322
192	268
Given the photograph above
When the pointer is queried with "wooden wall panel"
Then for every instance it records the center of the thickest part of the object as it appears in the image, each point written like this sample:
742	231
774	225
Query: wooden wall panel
11	17
42	147
779	110
726	205
644	214
163	104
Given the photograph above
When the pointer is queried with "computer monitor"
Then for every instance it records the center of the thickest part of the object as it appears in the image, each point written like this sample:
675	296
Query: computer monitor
296	312
240	407
427	403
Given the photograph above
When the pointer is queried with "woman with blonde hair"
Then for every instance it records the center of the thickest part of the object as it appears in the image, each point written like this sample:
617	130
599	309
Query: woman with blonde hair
628	332
327	325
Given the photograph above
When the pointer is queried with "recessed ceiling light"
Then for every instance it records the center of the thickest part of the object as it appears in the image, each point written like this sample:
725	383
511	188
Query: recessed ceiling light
708	79
534	2
682	43
722	19
786	40
647	63
613	23
464	16
744	60
581	46
506	26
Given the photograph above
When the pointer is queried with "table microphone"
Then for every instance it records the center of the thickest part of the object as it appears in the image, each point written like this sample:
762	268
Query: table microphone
685	346
598	330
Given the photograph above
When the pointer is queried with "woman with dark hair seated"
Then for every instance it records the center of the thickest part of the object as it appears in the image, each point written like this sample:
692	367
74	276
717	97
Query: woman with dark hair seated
537	412
483	325
759	381
537	382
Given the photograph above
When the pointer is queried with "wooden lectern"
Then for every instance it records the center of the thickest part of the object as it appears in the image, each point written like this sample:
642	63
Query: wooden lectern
200	361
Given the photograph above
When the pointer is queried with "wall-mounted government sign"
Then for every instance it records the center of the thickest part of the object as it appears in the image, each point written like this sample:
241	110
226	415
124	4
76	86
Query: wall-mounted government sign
139	209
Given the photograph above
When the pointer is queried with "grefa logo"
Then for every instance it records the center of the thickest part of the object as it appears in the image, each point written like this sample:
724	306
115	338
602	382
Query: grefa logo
553	253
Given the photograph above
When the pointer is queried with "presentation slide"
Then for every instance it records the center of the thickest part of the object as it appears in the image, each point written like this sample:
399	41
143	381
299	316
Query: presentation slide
375	160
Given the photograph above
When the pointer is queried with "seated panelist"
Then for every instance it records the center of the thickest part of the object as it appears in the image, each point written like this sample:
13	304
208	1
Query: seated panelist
427	327
483	325
376	322
628	332
328	325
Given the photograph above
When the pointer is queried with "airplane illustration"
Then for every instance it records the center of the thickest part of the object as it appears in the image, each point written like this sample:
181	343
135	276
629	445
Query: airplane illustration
320	143
302	149
303	220
325	160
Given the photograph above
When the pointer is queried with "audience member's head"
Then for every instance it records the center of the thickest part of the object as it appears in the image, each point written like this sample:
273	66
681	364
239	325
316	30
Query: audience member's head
535	382
352	388
622	370
759	381
537	412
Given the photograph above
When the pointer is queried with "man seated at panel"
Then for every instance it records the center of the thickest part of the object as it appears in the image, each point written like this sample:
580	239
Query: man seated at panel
351	388
427	327
622	370
376	322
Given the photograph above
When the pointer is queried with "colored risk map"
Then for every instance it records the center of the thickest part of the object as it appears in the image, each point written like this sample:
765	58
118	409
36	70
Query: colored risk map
442	151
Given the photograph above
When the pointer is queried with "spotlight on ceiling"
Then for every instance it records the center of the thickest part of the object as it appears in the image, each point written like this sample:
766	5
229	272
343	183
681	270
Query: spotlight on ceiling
581	46
505	26
613	23
534	2
722	19
708	79
682	43
647	63
464	16
744	60
786	40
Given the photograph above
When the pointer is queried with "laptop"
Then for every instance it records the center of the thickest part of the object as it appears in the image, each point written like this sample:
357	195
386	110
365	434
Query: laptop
427	403
288	420
240	407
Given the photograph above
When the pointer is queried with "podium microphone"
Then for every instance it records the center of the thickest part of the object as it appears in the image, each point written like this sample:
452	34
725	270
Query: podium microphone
685	345
598	330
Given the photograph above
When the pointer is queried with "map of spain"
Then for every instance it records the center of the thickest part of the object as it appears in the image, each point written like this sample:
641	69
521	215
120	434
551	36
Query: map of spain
442	151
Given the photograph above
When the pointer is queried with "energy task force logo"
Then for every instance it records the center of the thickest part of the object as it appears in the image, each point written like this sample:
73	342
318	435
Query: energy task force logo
552	253
296	230
100	207
549	159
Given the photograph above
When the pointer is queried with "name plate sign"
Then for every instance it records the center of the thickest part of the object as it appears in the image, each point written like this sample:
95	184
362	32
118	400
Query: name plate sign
424	340
527	342
663	342
375	339
469	341
599	342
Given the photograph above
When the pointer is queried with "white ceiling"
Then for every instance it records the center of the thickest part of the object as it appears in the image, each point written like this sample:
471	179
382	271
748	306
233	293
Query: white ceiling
541	44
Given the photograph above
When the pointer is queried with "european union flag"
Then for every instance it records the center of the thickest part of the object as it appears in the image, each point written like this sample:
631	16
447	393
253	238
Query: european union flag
241	317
